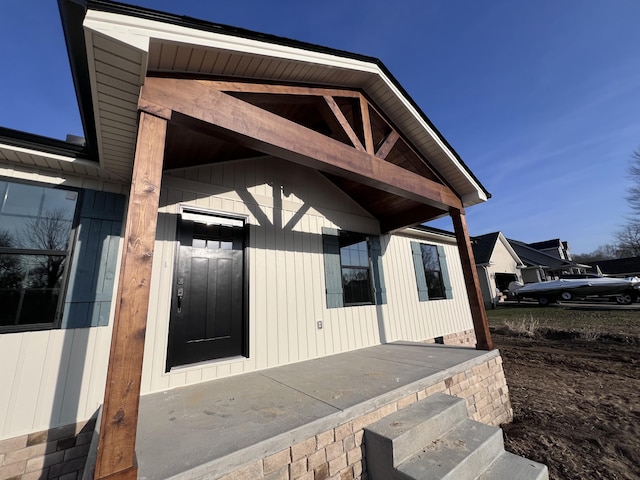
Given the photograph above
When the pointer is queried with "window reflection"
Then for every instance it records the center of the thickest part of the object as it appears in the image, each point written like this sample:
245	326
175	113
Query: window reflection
35	229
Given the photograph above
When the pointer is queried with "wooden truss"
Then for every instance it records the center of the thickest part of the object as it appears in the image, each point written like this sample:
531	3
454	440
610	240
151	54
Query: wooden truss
337	132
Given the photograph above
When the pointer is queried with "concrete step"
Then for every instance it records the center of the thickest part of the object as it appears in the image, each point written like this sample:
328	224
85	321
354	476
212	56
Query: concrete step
397	437
463	453
514	467
435	439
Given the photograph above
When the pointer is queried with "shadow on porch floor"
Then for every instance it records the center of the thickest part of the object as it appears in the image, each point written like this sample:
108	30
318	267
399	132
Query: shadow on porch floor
215	427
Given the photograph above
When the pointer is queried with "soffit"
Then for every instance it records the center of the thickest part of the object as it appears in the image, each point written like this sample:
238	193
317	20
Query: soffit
65	164
123	49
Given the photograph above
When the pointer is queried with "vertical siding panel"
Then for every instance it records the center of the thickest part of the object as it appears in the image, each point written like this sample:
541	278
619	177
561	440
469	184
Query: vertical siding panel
317	285
11	359
271	311
25	390
73	386
258	271
61	374
304	307
281	286
87	373
294	318
42	414
308	283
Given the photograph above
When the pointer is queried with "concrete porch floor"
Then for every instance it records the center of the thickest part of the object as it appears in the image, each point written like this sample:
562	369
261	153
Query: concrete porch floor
215	427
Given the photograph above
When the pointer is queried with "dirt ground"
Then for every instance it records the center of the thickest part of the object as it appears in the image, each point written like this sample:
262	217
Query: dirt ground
576	402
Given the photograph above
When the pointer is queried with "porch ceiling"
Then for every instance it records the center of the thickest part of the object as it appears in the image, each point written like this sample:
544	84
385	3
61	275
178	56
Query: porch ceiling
125	45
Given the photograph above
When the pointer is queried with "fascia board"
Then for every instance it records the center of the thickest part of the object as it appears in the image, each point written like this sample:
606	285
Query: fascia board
510	249
138	33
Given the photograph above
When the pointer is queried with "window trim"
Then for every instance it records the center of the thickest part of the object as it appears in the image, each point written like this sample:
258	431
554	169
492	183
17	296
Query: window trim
68	254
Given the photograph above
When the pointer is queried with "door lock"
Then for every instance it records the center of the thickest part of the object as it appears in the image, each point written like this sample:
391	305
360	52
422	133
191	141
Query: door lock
180	295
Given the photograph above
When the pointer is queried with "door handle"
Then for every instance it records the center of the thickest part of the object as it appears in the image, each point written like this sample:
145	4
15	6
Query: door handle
180	295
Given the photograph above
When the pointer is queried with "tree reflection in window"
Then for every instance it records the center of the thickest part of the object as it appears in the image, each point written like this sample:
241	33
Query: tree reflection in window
432	271
35	230
356	273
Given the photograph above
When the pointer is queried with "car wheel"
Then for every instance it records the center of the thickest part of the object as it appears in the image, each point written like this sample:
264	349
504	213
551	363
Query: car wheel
566	296
544	301
624	299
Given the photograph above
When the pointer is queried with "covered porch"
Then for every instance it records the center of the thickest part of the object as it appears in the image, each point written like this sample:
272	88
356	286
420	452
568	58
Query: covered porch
309	416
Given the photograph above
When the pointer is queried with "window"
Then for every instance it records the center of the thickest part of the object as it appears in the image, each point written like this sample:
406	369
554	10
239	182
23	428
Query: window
432	271
355	269
36	226
432	275
352	269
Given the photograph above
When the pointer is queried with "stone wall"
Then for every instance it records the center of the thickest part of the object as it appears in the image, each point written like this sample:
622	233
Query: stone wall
340	454
59	453
466	338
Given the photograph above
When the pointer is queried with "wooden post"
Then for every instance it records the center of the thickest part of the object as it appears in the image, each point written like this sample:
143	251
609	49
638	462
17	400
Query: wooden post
478	313
116	448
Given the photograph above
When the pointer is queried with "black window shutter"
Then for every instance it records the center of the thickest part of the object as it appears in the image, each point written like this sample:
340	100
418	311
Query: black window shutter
421	279
92	272
375	251
448	291
332	270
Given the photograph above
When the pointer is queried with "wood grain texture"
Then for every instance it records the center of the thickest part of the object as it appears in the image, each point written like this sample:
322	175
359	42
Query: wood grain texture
116	453
366	125
202	108
480	323
344	123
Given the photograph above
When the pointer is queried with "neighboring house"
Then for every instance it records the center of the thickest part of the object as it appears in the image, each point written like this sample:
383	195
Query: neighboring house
555	248
540	266
619	267
273	184
498	265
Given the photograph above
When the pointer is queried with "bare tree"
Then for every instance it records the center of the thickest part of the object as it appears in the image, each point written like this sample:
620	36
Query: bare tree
629	236
49	232
10	265
633	191
629	240
603	252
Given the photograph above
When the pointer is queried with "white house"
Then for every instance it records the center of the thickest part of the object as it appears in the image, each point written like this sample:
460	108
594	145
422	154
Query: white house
241	202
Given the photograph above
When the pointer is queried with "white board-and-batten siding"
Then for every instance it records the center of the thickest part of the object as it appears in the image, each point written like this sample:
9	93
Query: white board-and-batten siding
52	377
286	206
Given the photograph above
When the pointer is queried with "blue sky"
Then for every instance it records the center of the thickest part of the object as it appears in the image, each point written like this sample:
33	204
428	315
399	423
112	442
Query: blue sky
540	99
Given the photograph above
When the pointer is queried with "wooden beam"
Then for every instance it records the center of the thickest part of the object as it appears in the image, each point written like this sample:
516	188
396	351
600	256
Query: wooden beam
409	218
200	107
366	125
247	87
387	145
116	448
478	313
342	120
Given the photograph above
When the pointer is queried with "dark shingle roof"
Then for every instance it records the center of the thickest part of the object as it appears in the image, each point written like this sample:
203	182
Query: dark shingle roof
532	257
546	244
483	247
619	266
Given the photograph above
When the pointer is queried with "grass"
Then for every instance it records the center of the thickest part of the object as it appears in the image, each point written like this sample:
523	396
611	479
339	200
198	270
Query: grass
527	319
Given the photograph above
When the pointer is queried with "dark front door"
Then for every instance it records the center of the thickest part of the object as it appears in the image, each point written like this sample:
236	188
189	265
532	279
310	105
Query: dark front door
207	314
